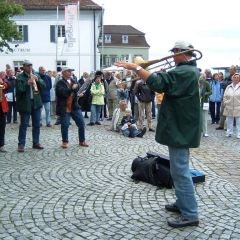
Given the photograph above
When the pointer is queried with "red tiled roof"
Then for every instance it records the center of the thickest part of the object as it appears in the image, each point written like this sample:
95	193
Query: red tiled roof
52	4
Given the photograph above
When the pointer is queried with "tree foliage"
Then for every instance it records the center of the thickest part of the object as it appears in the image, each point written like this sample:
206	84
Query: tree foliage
8	28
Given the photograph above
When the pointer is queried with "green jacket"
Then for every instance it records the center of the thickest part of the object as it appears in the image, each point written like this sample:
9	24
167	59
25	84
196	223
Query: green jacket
97	95
179	122
23	95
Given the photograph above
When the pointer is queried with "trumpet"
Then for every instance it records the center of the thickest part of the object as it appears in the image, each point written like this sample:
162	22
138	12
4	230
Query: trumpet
35	87
1	92
168	62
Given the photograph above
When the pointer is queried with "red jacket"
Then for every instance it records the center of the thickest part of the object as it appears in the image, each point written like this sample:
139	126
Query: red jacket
4	104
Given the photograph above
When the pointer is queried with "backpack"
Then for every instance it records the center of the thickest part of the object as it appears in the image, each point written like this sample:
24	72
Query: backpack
151	169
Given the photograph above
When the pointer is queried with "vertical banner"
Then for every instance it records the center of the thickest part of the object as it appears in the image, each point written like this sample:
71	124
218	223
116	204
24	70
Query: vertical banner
71	28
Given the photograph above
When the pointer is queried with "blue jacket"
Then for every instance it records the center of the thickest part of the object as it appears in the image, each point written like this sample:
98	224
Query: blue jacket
217	91
45	93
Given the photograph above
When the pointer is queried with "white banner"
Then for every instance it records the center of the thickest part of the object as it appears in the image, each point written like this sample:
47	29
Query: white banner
60	45
71	28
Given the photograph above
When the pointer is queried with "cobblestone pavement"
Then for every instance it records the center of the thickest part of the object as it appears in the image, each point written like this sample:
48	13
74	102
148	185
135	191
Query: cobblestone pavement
87	193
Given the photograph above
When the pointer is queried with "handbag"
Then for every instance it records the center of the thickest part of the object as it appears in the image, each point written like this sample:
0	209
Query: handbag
205	106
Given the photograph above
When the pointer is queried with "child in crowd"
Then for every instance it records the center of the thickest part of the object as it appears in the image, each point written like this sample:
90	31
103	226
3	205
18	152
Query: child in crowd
129	128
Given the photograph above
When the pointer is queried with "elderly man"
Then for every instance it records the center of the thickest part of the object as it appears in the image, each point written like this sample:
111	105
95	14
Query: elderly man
67	105
45	95
179	125
112	94
29	103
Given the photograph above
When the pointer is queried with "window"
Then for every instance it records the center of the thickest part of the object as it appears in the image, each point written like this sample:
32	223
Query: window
61	64
107	38
113	59
24	30
124	39
60	32
18	65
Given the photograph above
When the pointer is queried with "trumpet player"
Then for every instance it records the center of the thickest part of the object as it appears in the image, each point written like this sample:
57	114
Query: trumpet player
3	112
29	103
178	126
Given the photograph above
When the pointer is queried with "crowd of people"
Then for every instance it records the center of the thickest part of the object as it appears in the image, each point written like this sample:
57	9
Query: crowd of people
184	97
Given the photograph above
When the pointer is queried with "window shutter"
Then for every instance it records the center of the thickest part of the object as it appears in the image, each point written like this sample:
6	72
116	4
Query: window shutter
52	33
25	33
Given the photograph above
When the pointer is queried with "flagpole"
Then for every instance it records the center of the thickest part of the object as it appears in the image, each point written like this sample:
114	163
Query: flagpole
78	38
56	38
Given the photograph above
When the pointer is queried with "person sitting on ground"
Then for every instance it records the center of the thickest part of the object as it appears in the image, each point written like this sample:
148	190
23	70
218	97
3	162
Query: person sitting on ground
129	127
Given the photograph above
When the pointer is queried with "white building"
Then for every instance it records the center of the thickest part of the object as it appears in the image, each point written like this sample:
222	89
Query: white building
40	25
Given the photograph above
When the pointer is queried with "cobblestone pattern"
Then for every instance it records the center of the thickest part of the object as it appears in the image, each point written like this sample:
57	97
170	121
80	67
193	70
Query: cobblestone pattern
87	193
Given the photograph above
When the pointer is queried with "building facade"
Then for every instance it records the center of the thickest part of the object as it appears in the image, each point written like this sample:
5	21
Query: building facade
121	43
45	41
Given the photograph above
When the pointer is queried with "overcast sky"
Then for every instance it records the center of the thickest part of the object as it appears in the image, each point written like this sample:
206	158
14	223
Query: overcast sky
212	26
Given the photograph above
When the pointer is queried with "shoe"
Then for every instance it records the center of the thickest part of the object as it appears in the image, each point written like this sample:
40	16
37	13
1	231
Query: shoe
49	125
7	122
86	116
109	119
83	144
228	135
182	222
20	148
90	124
57	123
16	122
70	123
29	125
105	116
97	123
142	132
101	119
38	146
151	130
3	149
64	145
238	136
172	207
131	132
219	128
206	135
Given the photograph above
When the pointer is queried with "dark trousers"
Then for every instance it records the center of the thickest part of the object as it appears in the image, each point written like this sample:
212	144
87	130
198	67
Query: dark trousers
12	108
2	126
215	111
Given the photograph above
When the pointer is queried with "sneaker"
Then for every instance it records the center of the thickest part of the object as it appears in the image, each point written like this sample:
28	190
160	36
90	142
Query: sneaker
183	222
219	128
57	123
142	132
49	125
90	124
228	135
206	135
97	123
172	207
109	119
86	116
3	149
64	145
131	132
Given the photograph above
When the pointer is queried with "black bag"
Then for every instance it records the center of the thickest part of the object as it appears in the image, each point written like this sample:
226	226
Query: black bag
150	169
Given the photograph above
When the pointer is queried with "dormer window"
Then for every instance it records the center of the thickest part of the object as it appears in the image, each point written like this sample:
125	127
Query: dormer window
107	38
124	39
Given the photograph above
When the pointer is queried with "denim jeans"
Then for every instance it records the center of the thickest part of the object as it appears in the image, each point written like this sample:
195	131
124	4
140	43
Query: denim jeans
183	184
77	116
126	132
46	106
12	108
36	115
95	113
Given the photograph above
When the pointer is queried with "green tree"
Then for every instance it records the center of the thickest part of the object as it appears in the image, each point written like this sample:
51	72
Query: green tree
8	28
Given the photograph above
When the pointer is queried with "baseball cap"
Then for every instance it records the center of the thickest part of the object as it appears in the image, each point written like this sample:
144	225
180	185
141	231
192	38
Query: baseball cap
64	69
27	62
181	44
